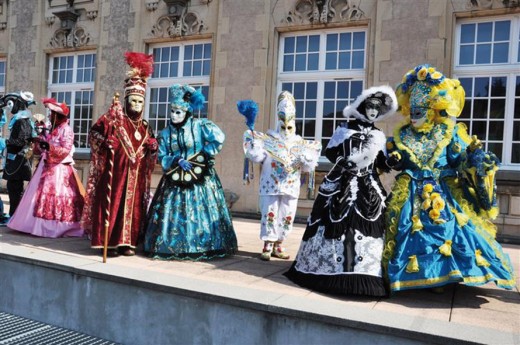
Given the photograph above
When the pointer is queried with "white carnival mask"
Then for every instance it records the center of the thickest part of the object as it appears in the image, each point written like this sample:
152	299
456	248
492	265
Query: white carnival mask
287	129
136	103
177	115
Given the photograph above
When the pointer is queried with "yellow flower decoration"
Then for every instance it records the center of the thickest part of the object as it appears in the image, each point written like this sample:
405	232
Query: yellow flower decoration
423	72
427	203
428	188
461	217
413	264
416	224
436	75
434	214
438	204
435	195
445	249
431	70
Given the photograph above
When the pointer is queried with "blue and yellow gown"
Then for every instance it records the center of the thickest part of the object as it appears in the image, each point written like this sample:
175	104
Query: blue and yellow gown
437	231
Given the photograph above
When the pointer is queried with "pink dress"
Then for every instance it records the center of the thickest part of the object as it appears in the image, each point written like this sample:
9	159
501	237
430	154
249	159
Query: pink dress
52	204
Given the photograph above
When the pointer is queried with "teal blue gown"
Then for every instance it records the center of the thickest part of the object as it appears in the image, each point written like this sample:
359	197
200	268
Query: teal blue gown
189	222
438	217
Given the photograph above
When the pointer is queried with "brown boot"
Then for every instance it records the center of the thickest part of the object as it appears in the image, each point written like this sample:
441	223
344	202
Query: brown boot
266	252
128	251
111	253
279	251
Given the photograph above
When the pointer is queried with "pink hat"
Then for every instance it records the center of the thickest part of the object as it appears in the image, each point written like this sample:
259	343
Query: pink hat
53	105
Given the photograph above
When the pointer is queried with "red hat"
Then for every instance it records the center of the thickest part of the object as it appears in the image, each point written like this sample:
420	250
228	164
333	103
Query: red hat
53	105
141	67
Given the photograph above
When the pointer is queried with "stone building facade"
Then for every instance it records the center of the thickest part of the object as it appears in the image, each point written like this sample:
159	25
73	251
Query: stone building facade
323	50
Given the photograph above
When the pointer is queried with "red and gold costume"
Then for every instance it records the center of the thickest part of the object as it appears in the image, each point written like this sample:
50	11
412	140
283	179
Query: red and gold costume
130	144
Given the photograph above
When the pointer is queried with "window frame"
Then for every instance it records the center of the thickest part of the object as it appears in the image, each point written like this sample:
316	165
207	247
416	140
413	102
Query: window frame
321	76
509	69
74	87
166	82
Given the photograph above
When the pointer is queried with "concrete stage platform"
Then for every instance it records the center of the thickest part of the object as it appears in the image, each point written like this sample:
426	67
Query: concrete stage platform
236	300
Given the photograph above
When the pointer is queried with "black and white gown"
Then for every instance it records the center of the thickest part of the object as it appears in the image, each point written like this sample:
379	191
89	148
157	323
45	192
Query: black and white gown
342	247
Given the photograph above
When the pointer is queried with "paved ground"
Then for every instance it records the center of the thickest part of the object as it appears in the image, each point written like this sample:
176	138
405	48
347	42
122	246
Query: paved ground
486	306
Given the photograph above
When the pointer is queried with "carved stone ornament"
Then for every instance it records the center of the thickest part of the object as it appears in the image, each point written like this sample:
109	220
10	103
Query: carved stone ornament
50	20
64	38
491	4
479	4
151	5
92	15
324	11
3	26
189	23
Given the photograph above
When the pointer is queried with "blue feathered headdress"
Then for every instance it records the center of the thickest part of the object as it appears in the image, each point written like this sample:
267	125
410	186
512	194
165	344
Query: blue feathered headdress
186	97
249	109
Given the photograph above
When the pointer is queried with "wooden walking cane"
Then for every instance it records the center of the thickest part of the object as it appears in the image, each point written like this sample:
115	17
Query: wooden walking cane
115	100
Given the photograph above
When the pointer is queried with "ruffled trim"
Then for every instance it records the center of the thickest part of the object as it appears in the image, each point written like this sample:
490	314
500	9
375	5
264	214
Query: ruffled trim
340	284
400	194
452	277
193	256
354	221
462	132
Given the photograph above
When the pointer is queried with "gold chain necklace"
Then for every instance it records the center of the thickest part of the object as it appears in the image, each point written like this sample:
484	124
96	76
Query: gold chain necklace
136	124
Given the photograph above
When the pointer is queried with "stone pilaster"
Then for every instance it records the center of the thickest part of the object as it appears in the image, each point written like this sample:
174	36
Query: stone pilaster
239	73
22	55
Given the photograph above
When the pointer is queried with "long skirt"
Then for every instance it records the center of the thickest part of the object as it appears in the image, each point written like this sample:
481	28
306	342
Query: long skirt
51	205
191	223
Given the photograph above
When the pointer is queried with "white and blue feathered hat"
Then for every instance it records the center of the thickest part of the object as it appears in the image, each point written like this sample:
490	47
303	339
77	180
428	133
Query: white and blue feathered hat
186	97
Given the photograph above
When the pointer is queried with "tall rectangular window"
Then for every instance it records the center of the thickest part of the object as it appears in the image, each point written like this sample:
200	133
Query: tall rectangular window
179	63
72	79
487	55
325	71
2	76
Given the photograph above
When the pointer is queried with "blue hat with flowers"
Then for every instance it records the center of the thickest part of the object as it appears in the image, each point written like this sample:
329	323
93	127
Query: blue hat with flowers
186	97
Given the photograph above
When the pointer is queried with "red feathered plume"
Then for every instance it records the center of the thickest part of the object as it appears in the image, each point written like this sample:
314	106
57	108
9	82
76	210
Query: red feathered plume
141	64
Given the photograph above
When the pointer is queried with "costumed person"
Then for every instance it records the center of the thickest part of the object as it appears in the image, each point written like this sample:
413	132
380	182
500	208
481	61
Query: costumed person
438	220
4	217
283	155
124	151
18	163
342	246
188	217
53	202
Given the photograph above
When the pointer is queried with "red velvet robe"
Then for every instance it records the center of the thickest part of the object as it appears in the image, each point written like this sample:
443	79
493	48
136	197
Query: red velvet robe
133	163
